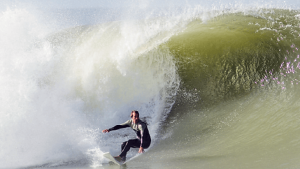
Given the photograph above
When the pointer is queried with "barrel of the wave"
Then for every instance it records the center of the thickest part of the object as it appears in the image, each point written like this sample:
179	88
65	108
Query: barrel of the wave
237	103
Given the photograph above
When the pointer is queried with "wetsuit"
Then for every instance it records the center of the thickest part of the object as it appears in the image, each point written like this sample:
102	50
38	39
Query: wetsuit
142	133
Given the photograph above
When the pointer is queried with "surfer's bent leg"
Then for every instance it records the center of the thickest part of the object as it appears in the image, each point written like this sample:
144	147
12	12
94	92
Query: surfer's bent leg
134	143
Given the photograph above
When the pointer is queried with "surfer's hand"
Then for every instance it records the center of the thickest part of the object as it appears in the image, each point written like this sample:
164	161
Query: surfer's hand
141	150
105	131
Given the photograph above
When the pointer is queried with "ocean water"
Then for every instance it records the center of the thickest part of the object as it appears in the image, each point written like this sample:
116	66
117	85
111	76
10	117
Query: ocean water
217	83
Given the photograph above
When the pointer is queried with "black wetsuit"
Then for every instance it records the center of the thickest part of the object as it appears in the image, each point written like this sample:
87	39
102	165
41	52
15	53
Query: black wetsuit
142	132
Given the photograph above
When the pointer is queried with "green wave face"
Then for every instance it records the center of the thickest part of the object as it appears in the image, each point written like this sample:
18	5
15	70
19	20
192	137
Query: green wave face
225	56
238	103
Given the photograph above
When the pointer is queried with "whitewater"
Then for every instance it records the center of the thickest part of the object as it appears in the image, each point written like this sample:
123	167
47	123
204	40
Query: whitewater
217	84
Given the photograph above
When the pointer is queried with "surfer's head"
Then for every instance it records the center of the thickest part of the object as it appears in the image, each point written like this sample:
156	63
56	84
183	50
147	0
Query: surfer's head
135	116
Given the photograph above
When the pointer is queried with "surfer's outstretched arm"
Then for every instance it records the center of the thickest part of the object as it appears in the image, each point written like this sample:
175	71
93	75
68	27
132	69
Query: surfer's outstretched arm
116	127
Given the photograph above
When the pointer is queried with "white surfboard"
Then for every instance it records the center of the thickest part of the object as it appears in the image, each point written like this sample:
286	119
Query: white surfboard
111	158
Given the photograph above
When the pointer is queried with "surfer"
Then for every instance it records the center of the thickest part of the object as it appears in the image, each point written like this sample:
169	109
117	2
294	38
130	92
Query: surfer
143	140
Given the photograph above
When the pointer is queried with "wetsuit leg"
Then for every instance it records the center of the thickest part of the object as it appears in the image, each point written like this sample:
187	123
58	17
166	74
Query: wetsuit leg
134	143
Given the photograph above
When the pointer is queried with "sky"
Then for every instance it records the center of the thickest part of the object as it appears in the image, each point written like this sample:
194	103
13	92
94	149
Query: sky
132	3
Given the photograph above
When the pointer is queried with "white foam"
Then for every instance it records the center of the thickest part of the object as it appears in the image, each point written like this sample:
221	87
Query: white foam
56	97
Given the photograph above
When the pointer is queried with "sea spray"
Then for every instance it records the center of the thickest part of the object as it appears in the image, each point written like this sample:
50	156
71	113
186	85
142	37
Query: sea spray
62	90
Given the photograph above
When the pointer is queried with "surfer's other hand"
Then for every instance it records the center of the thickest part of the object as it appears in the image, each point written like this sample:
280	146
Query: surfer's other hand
141	150
105	131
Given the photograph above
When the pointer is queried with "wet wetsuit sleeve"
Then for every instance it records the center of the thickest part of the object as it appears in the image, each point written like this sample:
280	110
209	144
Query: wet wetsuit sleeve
124	125
142	130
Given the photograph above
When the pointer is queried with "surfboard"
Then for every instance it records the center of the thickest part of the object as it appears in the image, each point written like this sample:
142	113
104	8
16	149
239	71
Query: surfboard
111	158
